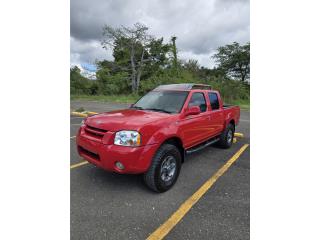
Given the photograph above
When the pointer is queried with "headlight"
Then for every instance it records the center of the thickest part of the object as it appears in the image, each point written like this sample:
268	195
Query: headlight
83	122
127	138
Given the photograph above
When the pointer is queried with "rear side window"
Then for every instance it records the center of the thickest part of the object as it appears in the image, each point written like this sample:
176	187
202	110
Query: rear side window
198	99
214	102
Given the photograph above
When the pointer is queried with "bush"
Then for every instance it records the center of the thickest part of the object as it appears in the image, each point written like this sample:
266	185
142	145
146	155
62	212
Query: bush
118	83
78	83
232	90
112	84
168	76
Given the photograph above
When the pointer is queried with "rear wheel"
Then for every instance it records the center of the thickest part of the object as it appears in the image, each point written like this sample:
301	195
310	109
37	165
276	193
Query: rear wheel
164	169
226	138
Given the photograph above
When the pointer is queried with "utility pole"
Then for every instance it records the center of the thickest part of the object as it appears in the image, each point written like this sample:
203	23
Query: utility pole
174	51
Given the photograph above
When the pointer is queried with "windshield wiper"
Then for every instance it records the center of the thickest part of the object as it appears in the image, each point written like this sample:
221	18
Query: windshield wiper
157	110
135	107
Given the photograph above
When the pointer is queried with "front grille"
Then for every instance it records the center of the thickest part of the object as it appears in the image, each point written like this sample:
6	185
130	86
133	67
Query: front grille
95	132
89	153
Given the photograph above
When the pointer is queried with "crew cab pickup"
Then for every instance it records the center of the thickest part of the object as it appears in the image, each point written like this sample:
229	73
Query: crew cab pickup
153	136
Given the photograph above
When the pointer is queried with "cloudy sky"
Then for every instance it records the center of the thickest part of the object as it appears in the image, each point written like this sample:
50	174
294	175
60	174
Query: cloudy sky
200	25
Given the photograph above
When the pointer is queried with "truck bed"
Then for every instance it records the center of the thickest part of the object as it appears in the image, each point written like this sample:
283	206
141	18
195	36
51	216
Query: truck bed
227	106
232	111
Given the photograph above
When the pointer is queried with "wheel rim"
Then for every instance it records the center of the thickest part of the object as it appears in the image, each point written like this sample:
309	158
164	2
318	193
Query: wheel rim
229	136
168	168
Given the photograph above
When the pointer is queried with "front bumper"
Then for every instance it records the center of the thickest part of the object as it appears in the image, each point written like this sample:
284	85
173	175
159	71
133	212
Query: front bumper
135	159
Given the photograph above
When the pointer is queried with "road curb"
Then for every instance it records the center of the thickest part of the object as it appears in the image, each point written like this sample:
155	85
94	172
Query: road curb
82	114
91	113
240	135
78	114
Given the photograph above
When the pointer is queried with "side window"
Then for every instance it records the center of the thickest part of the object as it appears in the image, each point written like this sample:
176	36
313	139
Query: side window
198	99
214	102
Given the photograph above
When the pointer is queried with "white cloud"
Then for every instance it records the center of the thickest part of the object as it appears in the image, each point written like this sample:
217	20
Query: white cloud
201	26
87	51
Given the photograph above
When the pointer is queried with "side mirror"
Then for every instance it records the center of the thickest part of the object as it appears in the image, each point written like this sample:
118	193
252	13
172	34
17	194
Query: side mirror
131	105
194	110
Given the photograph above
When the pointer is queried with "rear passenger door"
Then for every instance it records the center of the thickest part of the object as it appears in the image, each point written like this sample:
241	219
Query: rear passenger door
216	114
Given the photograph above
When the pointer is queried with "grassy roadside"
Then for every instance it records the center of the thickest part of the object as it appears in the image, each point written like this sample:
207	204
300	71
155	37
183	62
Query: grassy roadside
243	104
130	98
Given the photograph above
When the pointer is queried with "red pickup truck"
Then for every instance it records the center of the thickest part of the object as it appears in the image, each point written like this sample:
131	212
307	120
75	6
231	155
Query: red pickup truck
154	135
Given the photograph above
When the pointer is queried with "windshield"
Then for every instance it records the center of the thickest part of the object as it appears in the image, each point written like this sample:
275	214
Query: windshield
162	101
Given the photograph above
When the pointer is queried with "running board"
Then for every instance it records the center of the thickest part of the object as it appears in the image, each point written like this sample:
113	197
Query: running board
202	146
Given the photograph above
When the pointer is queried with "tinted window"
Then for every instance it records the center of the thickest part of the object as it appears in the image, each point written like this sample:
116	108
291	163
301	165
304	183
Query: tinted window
214	102
198	99
168	101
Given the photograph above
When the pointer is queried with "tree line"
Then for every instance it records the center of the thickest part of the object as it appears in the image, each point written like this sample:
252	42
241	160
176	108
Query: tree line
142	62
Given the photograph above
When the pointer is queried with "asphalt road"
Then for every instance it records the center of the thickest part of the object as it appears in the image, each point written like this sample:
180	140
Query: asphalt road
111	206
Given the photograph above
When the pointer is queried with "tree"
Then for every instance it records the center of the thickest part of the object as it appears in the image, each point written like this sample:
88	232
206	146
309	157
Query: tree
78	83
234	60
111	79
193	66
131	42
156	57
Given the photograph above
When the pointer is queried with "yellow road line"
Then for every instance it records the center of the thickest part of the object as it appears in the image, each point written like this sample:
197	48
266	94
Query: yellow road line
83	114
72	137
92	113
166	227
239	135
79	114
234	140
78	164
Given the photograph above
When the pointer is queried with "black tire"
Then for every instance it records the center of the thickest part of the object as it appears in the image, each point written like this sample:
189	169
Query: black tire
153	179
226	135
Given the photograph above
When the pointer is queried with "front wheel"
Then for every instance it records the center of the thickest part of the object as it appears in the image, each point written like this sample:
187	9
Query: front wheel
164	169
226	137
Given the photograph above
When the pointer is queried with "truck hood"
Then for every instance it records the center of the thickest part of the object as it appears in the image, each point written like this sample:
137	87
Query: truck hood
127	119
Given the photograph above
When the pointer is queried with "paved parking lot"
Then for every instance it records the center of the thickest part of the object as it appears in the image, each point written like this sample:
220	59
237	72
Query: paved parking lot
111	206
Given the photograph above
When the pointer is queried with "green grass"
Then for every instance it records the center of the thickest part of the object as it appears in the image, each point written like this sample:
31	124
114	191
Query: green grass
131	98
243	104
81	109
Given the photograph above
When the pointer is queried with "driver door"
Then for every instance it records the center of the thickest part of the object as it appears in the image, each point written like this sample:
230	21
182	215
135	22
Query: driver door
195	127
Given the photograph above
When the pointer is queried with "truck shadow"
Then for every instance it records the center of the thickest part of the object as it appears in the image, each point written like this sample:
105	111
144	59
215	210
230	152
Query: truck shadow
114	182
117	182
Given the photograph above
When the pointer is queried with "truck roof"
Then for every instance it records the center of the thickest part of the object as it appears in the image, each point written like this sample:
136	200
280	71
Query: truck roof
183	87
